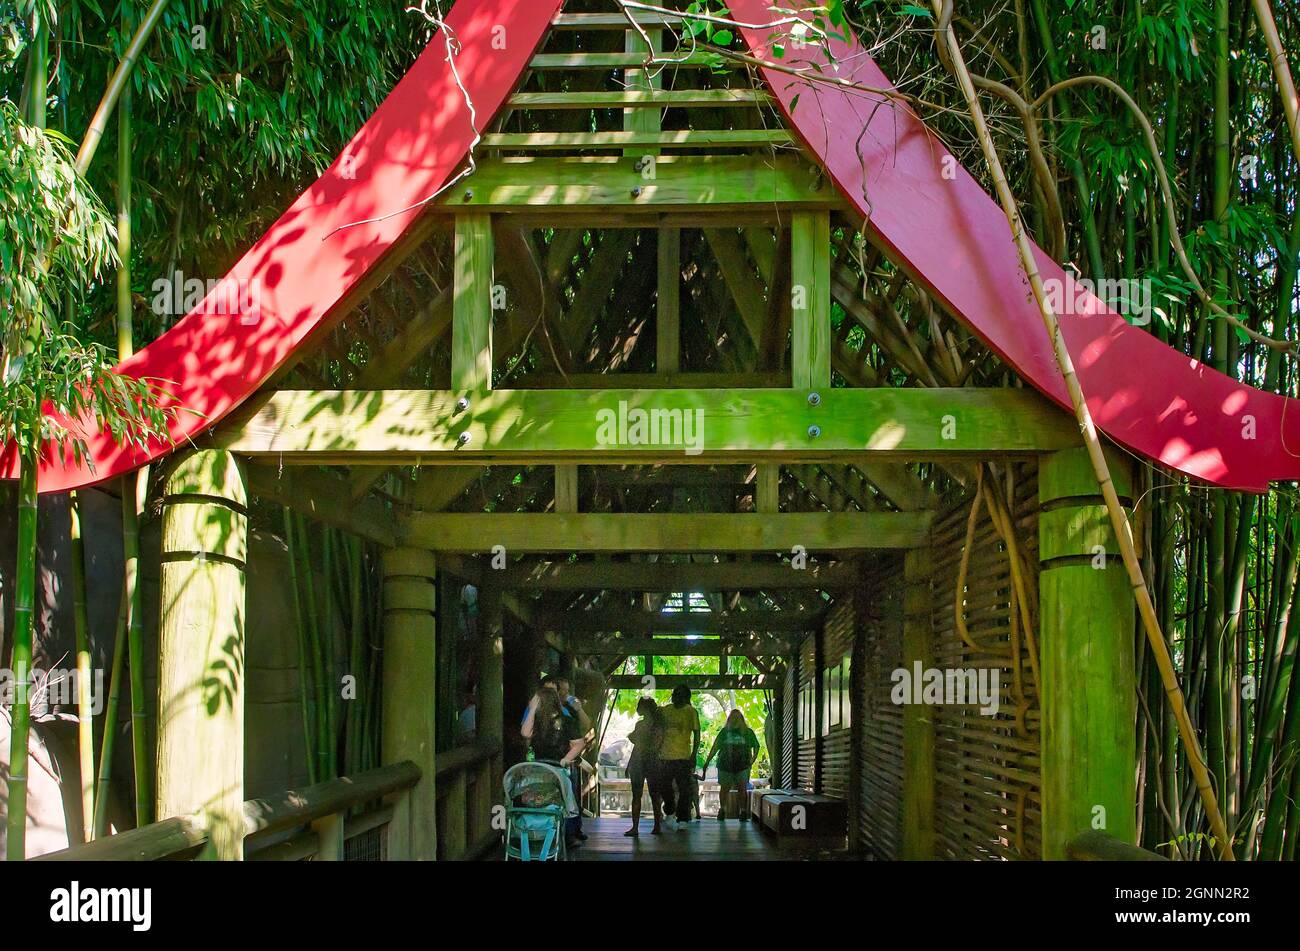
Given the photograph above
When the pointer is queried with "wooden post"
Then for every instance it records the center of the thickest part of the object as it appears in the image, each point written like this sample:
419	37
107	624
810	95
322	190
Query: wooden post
201	648
668	341
768	496
810	295
485	796
819	704
490	705
566	489
857	660
397	833
410	631
918	719
1089	696
471	321
329	834
455	816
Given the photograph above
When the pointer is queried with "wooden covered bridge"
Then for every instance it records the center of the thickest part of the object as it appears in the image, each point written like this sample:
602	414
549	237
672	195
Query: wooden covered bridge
591	334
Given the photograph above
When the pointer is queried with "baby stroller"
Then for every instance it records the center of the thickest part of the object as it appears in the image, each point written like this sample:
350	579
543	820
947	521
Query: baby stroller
539	798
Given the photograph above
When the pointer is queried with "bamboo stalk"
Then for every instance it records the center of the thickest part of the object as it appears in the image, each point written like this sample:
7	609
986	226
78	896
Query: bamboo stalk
1281	69
109	738
132	488
85	703
1087	217
313	631
304	699
1118	518
117	86
24	604
25	556
357	629
125	330
329	564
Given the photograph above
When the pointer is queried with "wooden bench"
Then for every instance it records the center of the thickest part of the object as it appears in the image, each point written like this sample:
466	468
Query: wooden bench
801	819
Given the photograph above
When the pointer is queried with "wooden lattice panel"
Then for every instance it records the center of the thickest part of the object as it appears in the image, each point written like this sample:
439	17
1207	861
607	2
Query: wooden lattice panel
879	654
987	800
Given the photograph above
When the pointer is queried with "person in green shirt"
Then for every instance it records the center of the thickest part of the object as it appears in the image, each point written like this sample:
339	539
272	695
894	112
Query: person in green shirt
736	748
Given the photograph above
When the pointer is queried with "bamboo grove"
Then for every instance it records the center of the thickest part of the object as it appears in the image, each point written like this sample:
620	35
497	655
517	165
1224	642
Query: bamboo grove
1197	77
1221	566
263	79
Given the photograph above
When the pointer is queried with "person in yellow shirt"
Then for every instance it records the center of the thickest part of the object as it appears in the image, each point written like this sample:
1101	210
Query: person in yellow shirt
677	756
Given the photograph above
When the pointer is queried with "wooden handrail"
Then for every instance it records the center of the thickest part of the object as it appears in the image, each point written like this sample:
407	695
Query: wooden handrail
328	798
180	834
463	757
1095	846
158	840
307	844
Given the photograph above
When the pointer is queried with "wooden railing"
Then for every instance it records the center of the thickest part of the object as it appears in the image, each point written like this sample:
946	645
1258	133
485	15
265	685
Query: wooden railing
468	786
616	797
312	823
1097	846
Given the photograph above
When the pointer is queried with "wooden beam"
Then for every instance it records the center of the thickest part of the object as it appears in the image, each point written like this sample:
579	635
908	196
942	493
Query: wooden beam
387	366
535	298
523	533
899	484
471	335
615	139
689	380
612	21
325	499
634	57
675	647
539	426
436	487
642	80
777	272
640	99
615	183
599	275
669	577
810	293
743	284
648	623
695	681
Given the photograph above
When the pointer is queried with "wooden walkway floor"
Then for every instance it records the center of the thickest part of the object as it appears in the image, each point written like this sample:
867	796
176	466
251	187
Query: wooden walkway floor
704	840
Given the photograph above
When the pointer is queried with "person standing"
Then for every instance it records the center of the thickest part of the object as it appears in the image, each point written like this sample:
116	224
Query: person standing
677	756
737	748
643	768
555	738
576	727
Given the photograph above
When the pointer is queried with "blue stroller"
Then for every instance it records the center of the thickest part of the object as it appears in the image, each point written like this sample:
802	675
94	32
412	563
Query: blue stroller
539	798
